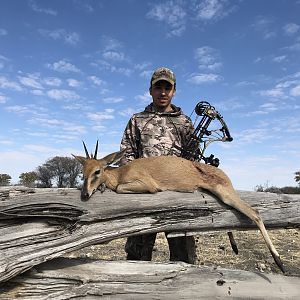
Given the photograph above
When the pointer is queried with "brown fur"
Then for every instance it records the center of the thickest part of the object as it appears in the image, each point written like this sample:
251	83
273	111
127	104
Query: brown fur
155	174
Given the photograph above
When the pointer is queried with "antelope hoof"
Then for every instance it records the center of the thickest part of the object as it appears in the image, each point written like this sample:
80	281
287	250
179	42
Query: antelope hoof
278	262
233	242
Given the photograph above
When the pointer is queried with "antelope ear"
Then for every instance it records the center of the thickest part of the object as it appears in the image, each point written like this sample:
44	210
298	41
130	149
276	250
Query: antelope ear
81	159
113	157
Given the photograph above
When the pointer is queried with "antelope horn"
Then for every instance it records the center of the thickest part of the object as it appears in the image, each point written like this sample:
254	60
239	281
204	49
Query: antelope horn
96	150
86	151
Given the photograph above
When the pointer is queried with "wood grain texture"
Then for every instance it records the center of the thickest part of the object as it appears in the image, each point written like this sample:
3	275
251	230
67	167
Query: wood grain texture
88	279
42	225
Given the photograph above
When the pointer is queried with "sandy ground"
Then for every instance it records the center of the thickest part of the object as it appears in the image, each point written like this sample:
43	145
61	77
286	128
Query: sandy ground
213	249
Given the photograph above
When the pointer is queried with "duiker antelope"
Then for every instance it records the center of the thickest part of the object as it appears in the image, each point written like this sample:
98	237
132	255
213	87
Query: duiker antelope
165	173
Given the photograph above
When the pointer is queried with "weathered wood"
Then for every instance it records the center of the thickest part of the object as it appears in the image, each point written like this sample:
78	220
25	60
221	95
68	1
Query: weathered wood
13	191
45	225
69	279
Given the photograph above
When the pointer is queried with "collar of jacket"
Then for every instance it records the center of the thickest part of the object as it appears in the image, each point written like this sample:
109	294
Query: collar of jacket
176	111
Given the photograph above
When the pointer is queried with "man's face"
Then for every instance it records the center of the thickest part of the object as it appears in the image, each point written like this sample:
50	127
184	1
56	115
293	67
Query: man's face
162	93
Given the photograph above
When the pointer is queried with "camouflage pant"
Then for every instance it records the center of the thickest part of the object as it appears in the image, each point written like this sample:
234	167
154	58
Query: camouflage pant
181	248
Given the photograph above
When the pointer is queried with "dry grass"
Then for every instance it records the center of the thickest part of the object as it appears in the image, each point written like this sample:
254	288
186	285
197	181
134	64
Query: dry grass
213	249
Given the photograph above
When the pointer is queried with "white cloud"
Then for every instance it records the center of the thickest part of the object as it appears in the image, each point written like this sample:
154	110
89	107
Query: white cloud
10	85
31	81
245	83
63	66
113	99
213	10
257	112
3	32
63	125
291	28
34	7
3	98
38	134
142	66
37	92
6	142
276	92
46	122
286	84
257	60
207	58
52	81
291	125
74	129
230	104
33	109
3	60
18	109
254	135
104	91
294	47
66	137
128	112
107	114
269	35
295	91
269	106
71	38
145	98
123	71
279	59
285	87
114	55
104	65
39	148
146	74
99	128
75	106
96	80
172	13
204	78
62	94
264	26
176	31
110	43
73	82
2	57
84	5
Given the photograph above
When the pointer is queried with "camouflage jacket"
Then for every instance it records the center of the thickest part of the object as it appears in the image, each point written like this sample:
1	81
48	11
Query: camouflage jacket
152	133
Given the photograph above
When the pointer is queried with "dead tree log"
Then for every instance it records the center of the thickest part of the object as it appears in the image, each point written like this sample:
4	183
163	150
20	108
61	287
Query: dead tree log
70	278
44	225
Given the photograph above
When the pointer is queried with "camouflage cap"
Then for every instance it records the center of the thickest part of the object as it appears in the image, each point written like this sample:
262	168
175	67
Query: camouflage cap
163	74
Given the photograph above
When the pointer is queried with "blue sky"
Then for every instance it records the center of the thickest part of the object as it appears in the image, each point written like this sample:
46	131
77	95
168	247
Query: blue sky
77	70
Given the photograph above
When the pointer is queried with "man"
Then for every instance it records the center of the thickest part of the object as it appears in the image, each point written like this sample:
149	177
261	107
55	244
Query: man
161	129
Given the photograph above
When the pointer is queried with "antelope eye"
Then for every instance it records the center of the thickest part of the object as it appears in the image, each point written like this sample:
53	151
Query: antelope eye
97	172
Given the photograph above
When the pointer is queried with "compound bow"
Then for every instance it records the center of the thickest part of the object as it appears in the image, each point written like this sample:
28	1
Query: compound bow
201	137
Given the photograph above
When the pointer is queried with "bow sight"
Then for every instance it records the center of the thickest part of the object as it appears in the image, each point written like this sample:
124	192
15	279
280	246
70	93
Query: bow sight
201	137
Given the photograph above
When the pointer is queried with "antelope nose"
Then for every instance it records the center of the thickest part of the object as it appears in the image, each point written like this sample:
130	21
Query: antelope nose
85	196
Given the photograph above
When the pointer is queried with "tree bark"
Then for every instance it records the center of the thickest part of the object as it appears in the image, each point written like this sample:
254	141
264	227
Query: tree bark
41	226
70	278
